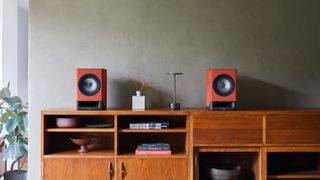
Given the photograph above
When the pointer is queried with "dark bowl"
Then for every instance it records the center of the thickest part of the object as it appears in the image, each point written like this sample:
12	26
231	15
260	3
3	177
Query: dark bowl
225	172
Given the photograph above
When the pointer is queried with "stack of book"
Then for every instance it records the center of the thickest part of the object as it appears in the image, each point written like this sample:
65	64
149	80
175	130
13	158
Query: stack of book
153	149
149	125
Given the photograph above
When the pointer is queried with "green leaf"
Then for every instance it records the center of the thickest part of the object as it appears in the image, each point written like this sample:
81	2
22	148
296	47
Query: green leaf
9	138
8	100
20	121
25	122
5	117
16	99
11	125
5	92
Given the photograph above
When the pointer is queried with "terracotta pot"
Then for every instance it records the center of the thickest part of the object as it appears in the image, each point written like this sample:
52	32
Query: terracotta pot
67	122
9	175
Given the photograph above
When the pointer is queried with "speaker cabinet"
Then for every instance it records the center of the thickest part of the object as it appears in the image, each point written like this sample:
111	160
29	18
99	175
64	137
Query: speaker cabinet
91	89
221	90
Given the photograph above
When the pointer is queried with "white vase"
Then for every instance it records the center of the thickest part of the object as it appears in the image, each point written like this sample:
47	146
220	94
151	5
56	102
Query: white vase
138	101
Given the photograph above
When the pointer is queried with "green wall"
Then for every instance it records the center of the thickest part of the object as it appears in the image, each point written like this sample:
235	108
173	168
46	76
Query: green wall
274	44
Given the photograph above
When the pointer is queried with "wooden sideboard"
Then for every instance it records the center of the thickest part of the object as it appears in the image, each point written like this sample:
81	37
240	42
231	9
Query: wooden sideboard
267	144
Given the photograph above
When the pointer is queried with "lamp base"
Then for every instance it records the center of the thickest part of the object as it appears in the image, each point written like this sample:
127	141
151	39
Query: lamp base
175	106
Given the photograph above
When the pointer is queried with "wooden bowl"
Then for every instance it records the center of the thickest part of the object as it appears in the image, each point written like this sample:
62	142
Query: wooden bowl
67	122
83	142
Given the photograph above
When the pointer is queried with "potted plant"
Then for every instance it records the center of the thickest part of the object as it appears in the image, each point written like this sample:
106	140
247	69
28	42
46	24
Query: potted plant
13	128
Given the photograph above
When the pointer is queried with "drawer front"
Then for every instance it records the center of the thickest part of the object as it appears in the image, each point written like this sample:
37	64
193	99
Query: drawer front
227	129
77	168
152	169
293	129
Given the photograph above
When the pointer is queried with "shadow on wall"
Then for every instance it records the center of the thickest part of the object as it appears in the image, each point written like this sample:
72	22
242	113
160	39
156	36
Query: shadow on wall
124	90
253	93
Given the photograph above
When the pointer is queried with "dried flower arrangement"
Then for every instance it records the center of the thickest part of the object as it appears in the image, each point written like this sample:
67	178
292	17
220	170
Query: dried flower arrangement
141	85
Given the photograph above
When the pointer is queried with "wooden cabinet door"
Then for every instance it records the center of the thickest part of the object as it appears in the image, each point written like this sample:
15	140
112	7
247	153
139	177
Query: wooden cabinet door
293	128
152	169
212	129
77	169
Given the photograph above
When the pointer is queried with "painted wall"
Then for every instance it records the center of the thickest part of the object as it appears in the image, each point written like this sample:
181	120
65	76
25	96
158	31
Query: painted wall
14	46
274	45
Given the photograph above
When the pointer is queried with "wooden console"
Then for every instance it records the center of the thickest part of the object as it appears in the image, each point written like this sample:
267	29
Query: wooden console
267	144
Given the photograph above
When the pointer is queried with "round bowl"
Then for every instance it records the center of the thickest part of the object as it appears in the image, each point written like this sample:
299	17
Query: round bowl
83	142
225	172
67	122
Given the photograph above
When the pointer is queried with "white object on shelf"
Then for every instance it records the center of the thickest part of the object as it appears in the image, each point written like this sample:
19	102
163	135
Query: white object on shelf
138	101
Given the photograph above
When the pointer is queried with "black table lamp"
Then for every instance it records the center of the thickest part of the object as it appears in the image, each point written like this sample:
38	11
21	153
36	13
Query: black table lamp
174	105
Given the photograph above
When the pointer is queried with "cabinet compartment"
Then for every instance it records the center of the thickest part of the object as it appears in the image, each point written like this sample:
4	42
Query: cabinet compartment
293	165
128	142
227	129
58	143
248	161
293	129
152	169
50	120
77	169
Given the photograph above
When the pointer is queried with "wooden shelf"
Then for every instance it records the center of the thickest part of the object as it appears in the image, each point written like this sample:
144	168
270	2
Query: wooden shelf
175	130
100	153
133	155
80	130
312	174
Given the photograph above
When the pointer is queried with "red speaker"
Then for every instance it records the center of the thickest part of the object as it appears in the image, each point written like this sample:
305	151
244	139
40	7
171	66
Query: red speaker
91	89
221	89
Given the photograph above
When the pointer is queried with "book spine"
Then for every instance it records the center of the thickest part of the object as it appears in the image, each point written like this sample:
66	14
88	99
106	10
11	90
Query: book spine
134	126
153	148
164	125
163	152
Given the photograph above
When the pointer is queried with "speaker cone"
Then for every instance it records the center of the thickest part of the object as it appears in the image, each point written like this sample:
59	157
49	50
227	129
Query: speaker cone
89	84
223	85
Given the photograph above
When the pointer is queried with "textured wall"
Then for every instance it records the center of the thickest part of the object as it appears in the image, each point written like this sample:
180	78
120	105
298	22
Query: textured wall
274	44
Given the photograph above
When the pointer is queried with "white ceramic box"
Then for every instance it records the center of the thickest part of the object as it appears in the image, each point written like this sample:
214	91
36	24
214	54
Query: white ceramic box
138	102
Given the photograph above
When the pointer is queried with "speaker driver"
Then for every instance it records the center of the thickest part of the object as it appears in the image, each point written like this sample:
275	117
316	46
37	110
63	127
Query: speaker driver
223	85
89	84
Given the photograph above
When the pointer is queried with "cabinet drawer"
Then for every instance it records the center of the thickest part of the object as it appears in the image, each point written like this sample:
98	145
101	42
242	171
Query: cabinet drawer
152	169
227	129
77	168
293	129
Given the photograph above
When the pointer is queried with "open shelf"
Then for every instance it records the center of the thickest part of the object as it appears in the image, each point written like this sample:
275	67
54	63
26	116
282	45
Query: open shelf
153	130
80	129
293	165
133	155
175	122
50	120
98	153
59	143
128	142
309	174
248	161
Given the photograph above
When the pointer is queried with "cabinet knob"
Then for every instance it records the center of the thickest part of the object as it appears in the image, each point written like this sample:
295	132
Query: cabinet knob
123	172
110	170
